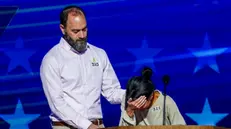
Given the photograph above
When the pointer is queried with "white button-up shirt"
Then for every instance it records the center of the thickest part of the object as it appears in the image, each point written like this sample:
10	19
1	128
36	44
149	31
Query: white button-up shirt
73	83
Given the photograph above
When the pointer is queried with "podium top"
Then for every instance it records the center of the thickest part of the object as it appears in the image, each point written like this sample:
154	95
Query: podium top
168	127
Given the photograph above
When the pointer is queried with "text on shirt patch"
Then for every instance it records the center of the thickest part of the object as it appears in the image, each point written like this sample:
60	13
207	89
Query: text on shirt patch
94	62
156	108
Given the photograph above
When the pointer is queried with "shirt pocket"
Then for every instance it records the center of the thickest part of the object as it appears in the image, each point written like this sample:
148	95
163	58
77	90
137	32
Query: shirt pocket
71	74
96	74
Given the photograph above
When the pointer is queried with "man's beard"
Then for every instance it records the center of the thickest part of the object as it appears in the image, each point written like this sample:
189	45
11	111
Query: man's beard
80	45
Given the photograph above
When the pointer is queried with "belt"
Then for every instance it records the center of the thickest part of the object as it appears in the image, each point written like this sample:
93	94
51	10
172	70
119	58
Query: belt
60	123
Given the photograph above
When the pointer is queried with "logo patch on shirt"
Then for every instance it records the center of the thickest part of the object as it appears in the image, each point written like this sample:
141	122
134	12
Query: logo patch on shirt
94	62
156	108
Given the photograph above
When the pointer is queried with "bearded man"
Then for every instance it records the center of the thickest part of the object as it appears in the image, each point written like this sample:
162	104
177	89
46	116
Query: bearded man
75	73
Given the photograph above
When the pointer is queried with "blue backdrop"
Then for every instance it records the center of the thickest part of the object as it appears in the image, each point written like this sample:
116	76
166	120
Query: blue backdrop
190	40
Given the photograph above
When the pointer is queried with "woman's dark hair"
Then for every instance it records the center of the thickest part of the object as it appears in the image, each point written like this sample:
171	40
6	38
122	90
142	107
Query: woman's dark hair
140	86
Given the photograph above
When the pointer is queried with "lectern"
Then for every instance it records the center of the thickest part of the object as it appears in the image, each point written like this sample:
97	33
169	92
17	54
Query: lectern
168	127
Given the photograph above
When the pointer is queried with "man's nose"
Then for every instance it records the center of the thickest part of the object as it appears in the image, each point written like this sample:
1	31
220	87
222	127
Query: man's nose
81	35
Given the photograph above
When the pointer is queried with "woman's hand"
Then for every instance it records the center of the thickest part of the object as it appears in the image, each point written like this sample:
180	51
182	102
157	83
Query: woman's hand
135	105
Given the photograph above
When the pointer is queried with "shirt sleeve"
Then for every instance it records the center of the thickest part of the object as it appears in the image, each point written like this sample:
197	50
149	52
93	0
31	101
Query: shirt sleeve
125	120
111	88
173	112
51	82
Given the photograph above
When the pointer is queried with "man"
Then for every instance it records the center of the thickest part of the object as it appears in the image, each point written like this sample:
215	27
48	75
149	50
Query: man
74	73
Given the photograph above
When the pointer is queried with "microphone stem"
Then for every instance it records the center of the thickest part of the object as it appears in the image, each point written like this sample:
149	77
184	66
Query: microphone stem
165	85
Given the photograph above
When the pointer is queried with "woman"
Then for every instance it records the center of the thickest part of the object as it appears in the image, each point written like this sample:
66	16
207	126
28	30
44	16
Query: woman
149	104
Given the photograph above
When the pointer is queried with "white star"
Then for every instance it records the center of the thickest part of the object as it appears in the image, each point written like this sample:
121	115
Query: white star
207	55
19	120
143	55
206	117
19	56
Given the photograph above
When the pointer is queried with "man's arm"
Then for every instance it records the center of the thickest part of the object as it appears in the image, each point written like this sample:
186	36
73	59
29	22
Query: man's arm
174	114
111	88
51	81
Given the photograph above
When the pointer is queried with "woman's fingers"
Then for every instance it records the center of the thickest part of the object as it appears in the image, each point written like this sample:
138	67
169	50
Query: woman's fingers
138	103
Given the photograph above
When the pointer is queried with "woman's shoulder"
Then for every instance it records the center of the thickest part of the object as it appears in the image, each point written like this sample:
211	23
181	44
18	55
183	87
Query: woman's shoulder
160	95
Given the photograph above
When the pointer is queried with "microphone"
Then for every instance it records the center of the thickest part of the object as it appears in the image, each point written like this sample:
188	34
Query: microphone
165	80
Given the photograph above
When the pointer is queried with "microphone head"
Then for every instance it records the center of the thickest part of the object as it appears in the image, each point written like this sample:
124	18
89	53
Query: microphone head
165	79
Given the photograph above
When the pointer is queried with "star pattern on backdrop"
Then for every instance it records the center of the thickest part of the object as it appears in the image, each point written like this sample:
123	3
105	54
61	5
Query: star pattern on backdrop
19	120
215	2
144	55
202	2
19	56
206	55
207	117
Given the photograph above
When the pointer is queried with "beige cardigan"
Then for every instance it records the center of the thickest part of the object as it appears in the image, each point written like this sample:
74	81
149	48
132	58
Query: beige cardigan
153	115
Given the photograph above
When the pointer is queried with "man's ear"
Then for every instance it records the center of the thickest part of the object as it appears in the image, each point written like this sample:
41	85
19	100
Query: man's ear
62	28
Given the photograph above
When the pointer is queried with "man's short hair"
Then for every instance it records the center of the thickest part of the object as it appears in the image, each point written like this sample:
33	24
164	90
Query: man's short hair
75	10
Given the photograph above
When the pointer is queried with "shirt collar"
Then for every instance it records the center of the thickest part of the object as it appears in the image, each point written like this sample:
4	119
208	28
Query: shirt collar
64	44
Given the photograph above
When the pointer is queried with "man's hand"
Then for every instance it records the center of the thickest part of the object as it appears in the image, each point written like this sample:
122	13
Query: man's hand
134	105
92	126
